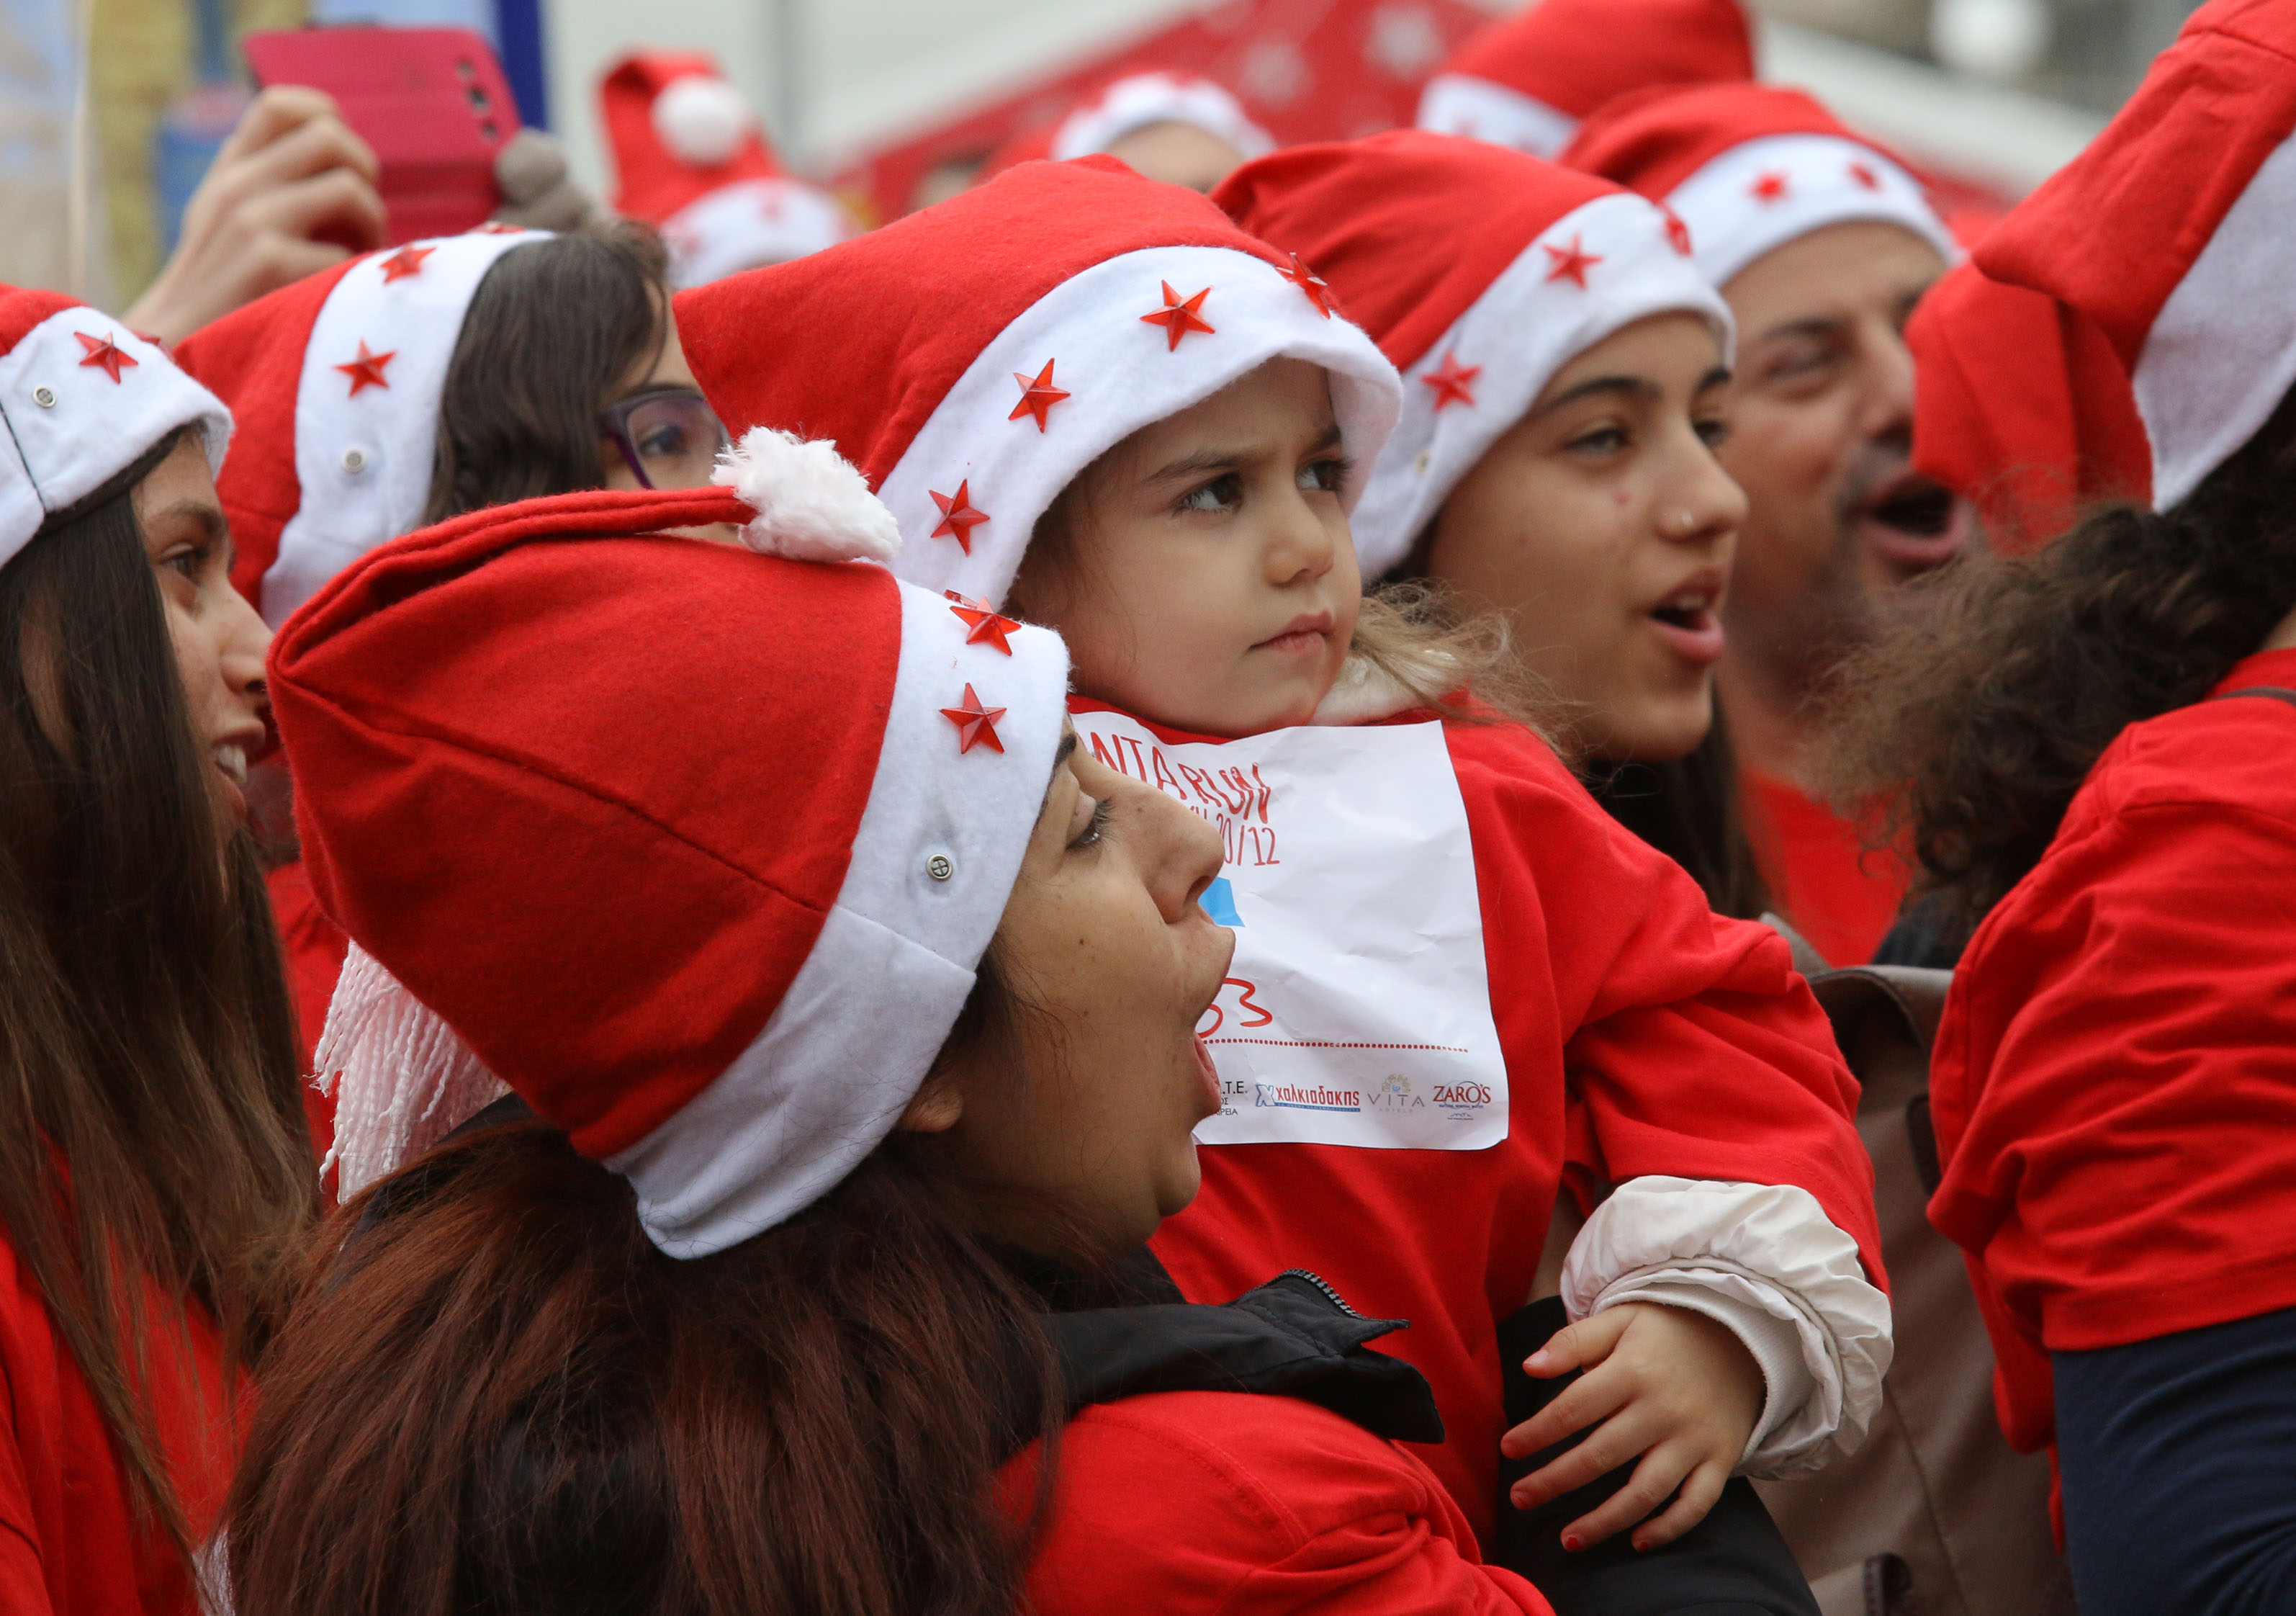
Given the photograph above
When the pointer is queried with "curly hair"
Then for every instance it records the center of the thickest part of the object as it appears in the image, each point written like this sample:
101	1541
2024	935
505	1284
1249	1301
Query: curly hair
1978	718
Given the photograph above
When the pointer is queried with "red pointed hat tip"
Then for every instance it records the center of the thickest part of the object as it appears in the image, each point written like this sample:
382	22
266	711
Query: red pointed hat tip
366	370
1037	394
1571	263
105	354
1453	382
1318	289
1770	187
976	726
984	624
407	261
1178	317
958	518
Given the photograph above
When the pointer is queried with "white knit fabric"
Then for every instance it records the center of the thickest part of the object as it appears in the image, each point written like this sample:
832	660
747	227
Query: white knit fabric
1134	102
1120	374
1762	193
1765	1260
1528	323
66	427
1460	103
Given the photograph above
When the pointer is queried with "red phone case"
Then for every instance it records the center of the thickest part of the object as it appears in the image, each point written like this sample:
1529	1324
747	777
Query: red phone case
432	102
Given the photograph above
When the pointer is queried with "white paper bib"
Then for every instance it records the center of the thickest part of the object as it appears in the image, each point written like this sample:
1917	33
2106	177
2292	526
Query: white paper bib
1357	1010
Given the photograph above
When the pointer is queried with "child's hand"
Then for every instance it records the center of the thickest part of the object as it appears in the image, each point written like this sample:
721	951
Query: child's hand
1674	1386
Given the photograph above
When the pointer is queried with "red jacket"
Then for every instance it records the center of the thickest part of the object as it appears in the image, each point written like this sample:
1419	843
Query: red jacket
1188	1502
2114	1084
1642	1034
70	1544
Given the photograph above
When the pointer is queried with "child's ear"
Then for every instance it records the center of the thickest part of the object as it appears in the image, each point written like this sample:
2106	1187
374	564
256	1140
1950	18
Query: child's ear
934	1108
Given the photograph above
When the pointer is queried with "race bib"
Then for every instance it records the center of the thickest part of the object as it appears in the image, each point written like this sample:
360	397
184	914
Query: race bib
1357	1010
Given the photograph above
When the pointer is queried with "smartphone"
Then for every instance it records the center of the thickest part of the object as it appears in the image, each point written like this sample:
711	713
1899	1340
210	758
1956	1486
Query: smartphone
432	102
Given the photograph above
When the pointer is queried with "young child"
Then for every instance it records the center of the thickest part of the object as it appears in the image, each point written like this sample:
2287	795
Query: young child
1096	400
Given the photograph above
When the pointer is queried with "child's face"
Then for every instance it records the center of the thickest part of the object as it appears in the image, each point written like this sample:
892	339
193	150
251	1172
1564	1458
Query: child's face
1208	580
1602	524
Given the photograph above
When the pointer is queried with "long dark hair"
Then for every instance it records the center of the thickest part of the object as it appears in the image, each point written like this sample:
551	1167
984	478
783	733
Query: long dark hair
1688	810
150	1128
1996	698
553	328
495	1397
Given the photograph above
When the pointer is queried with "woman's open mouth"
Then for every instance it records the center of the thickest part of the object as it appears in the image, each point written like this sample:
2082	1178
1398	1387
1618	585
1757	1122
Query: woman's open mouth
1688	621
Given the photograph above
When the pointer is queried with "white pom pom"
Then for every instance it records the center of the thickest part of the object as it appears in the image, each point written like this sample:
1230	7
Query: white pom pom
812	505
703	119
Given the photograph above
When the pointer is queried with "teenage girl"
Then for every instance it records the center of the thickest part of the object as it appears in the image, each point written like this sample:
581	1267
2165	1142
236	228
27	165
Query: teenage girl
851	1028
2099	736
1093	400
153	1178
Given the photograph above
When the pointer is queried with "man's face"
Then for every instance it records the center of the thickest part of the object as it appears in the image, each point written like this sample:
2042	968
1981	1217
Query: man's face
1822	419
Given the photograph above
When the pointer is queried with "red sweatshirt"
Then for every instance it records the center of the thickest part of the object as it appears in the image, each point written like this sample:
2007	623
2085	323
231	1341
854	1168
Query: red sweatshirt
70	1544
1642	1034
2114	1084
1189	1502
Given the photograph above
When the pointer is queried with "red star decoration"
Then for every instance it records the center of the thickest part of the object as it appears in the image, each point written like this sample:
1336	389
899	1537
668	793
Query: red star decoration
407	261
984	624
104	353
1572	264
1770	187
1318	289
1677	234
1038	396
1451	381
976	726
366	370
957	517
1178	318
1865	177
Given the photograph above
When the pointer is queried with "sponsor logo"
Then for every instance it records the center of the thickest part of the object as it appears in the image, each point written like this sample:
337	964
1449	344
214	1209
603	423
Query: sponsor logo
1306	1096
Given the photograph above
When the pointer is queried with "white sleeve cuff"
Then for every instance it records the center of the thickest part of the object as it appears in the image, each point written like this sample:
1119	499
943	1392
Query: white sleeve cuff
1766	1262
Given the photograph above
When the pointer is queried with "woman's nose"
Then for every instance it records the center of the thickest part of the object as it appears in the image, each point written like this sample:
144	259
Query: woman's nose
1184	853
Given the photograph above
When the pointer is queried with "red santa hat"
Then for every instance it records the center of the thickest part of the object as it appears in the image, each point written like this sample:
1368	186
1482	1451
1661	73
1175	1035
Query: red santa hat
2021	406
337	380
720	953
1132	103
1527	79
1748	167
972	358
691	160
2171	232
1481	271
83	398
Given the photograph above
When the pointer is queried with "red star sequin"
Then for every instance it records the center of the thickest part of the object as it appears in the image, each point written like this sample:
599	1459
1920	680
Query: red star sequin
957	517
1770	187
1677	234
1570	264
984	624
976	726
1179	318
366	370
1038	396
407	261
1451	381
497	227
1318	289
1865	177
105	354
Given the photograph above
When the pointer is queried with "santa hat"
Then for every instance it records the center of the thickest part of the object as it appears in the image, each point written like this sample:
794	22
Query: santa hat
1748	167
720	953
2171	232
2021	406
83	398
691	160
972	359
1481	271
1132	103
1527	79
337	382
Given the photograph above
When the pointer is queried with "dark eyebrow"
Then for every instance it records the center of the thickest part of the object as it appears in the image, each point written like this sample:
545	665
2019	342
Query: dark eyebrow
1633	386
1228	459
1060	761
1817	325
1719	376
209	518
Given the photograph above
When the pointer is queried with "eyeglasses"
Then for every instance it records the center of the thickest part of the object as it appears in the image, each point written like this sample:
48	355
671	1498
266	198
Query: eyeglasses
669	436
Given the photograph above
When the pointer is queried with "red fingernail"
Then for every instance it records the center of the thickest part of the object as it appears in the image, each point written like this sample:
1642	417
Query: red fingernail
1573	1542
1641	1546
